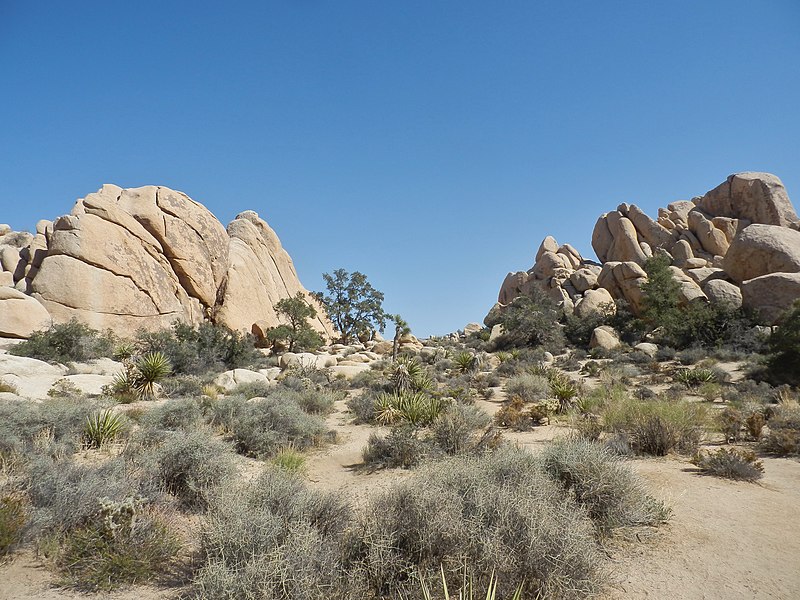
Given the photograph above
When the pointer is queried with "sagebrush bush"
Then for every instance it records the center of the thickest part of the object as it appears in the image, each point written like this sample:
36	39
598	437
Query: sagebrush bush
263	426
783	435
273	538
454	430
94	558
741	465
52	427
609	490
498	512
528	388
362	407
401	447
64	494
188	466
656	427
183	414
67	342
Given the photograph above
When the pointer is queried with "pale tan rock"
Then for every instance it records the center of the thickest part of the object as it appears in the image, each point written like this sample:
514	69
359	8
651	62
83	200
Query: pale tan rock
260	273
549	244
89	383
384	348
32	378
720	291
647	348
9	258
604	337
585	278
655	234
472	328
681	252
20	315
771	295
689	290
763	249
700	275
512	286
625	246
757	197
594	303
6	279
228	380
548	264
348	371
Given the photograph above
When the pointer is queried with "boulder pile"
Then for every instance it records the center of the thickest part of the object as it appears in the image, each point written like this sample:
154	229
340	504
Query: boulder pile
142	258
738	244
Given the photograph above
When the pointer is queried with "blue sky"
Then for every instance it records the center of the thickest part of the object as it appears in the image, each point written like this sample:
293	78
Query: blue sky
430	145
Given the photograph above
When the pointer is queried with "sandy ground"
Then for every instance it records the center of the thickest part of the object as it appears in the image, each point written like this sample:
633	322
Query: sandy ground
726	540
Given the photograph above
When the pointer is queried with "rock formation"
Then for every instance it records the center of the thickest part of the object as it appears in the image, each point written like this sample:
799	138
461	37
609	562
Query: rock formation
738	244
128	259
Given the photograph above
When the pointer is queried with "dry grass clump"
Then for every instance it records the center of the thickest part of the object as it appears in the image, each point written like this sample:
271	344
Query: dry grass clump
656	427
741	465
13	517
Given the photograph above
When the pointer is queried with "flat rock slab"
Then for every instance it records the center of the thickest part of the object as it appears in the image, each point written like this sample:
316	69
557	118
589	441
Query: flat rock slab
32	378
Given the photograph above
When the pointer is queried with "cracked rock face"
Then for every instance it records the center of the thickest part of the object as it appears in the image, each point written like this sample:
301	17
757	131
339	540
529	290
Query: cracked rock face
128	259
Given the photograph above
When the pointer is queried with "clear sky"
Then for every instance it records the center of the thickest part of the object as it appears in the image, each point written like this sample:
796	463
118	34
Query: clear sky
429	144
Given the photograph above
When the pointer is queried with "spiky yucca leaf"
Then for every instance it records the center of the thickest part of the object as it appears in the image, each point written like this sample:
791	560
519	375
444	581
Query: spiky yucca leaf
152	368
102	427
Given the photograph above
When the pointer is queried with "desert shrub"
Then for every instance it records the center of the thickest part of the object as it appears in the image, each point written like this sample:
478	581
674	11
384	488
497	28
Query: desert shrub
656	427
466	362
200	350
67	342
370	379
174	415
183	386
255	389
453	431
588	426
609	490
693	378
401	447
120	545
497	511
730	422
263	426
564	390
273	538
530	321
741	465
754	422
362	407
528	388
513	414
12	522
64	495
783	360
318	401
53	427
691	356
665	353
188	466
748	391
783	435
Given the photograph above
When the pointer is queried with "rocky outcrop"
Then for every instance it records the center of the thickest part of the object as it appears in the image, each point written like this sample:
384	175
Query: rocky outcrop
128	259
741	231
20	315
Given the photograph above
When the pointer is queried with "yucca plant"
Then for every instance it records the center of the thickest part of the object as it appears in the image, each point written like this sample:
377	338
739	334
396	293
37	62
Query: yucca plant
124	351
408	374
386	412
564	389
542	370
467	362
101	428
151	368
692	378
414	408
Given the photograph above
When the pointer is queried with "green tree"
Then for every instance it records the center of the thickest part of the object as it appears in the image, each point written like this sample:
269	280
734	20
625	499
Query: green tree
529	321
401	328
661	294
352	304
783	362
298	332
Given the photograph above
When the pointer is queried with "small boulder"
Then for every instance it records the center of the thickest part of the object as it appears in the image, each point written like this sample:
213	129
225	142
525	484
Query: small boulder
647	348
604	337
723	292
230	379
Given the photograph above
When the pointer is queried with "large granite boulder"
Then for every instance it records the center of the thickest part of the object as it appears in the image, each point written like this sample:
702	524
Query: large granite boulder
20	315
762	249
757	197
771	295
260	273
